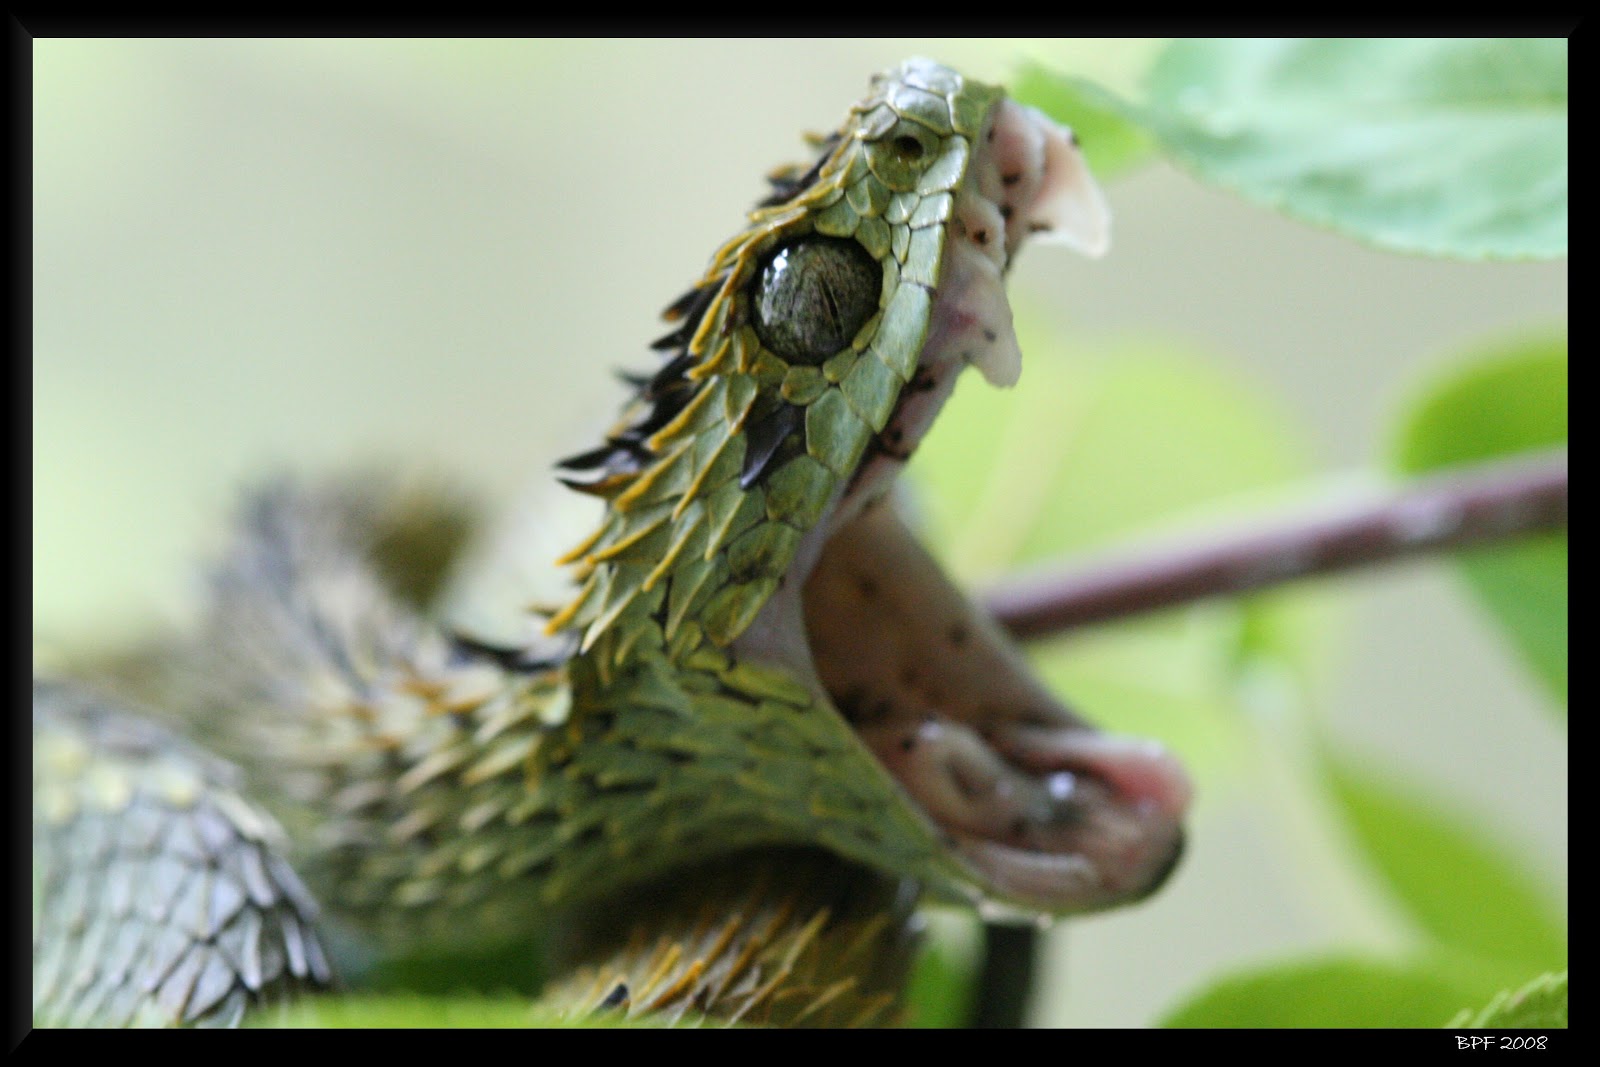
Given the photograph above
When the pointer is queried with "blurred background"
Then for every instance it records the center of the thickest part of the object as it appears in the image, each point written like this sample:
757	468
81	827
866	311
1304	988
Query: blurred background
258	255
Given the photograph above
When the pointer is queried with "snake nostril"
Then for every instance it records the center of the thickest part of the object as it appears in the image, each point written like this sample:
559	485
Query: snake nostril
908	148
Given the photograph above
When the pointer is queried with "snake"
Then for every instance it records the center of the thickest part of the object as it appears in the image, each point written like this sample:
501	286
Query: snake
721	779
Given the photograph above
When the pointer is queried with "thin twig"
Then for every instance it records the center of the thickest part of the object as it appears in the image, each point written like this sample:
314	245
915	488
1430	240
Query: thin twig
1468	507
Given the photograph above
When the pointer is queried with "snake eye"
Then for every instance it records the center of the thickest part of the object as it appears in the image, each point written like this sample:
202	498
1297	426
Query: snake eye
813	296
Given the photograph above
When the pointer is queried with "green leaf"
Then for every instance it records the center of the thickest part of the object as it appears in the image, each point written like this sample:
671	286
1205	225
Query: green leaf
1460	887
1525	586
1344	991
1107	129
1445	147
1495	401
1505	399
1541	1004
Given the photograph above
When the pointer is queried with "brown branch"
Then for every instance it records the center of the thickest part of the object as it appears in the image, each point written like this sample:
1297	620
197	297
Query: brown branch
1464	508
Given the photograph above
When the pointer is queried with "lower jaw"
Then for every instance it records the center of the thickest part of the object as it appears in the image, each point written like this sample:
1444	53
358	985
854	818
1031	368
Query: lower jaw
1045	810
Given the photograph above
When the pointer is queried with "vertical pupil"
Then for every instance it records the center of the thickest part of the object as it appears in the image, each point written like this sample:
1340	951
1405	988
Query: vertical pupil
813	296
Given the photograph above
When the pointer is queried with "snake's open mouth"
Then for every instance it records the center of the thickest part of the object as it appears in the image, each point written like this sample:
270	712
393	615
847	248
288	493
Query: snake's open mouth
1043	809
1047	810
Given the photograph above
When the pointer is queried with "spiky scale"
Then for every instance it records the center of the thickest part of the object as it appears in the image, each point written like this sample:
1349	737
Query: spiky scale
799	492
762	552
768	684
924	258
900	245
933	210
905	326
690	531
947	173
839	220
802	385
873	233
835	435
870	391
866	197
687	583
930	109
901	205
730	611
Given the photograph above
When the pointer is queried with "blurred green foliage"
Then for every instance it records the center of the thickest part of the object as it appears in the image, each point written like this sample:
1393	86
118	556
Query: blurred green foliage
1441	147
1338	992
1499	400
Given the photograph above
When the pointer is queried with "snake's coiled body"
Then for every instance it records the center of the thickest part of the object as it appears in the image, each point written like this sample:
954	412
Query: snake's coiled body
761	729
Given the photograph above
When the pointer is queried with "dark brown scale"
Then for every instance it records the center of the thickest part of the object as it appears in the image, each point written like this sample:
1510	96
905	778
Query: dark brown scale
785	189
666	408
691	304
550	653
676	339
763	438
671	374
603	488
687	310
594	458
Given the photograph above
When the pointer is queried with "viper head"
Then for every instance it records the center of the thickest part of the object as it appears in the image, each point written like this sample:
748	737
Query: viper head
748	520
